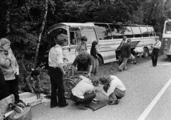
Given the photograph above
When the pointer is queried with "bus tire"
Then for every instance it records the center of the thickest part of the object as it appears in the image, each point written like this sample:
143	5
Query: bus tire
100	61
68	84
146	53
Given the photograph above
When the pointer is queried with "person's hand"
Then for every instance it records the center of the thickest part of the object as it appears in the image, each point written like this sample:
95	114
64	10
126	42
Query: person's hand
89	74
64	72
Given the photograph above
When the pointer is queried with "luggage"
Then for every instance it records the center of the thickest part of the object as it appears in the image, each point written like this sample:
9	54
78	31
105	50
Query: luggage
25	115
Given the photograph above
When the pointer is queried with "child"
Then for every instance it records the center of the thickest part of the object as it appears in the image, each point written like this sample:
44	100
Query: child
113	87
94	55
82	46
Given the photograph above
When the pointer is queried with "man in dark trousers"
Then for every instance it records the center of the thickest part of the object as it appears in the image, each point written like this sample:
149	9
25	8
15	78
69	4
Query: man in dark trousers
56	73
125	53
156	47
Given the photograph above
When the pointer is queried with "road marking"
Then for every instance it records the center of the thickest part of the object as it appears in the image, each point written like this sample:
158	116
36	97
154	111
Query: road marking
152	104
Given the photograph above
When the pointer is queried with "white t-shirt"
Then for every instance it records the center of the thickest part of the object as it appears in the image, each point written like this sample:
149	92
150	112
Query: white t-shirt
55	56
84	86
115	83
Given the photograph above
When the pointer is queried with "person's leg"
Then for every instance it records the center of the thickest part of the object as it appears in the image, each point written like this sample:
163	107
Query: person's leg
152	57
88	97
61	92
125	63
117	94
53	97
14	89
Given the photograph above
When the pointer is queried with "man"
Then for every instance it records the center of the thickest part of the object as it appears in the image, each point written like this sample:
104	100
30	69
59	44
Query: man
56	73
113	87
125	54
84	92
83	62
118	50
156	47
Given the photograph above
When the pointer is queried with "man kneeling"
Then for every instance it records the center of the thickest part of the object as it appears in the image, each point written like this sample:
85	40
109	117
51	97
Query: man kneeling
84	92
113	87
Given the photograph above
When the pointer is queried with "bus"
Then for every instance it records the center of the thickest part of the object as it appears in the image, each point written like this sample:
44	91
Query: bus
108	35
166	38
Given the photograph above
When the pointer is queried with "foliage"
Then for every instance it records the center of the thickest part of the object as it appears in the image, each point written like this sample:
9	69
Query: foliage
21	20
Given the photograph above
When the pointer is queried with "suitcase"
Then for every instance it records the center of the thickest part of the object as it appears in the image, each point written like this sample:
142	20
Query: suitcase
25	115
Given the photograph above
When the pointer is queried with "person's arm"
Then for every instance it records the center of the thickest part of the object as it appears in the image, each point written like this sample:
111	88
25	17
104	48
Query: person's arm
74	64
4	62
29	85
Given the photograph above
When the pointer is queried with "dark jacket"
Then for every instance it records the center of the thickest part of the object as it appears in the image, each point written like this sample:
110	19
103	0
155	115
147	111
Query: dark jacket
125	50
2	79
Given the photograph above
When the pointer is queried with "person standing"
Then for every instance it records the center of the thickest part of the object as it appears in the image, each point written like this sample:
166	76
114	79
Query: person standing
125	54
94	55
82	46
56	72
118	50
10	69
156	47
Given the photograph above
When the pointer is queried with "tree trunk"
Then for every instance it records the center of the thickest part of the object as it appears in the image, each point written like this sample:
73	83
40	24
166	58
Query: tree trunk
41	32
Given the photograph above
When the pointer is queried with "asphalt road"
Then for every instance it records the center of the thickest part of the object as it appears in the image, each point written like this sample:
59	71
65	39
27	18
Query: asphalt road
148	97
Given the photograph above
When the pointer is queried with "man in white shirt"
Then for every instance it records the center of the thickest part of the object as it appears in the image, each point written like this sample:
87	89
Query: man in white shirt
83	93
113	87
56	73
156	47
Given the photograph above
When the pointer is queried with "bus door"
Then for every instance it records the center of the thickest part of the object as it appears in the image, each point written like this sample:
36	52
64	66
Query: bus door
166	38
106	43
73	38
88	32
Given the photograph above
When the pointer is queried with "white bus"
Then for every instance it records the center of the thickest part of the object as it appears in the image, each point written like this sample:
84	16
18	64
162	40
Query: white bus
108	35
166	38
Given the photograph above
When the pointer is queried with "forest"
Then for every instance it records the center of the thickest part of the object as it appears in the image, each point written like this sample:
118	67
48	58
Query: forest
24	22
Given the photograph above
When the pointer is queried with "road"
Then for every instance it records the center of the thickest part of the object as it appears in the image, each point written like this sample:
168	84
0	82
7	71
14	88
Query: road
148	97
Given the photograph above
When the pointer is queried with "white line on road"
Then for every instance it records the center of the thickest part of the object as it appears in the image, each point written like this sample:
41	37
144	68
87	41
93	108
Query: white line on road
152	104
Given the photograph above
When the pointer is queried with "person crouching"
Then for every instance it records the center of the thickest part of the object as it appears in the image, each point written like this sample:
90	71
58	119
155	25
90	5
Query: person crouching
113	87
84	92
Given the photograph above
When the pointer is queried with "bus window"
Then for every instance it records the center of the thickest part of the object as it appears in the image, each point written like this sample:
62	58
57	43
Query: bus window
144	31
75	35
127	31
89	33
168	28
151	31
136	31
103	31
115	29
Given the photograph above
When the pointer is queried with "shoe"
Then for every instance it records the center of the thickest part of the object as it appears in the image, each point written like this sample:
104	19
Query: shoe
66	104
52	106
77	104
115	102
120	70
82	107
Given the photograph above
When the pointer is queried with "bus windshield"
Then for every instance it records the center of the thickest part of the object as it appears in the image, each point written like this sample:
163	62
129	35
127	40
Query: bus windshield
168	28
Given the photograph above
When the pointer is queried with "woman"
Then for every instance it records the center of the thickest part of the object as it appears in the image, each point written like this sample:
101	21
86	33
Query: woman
10	69
94	55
